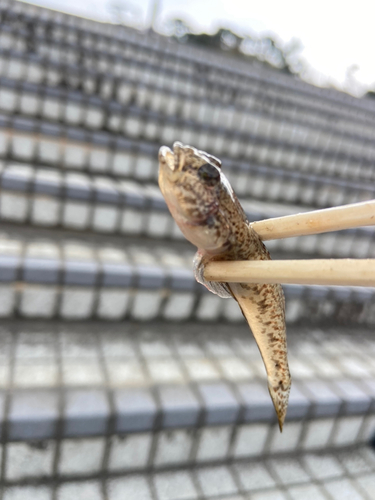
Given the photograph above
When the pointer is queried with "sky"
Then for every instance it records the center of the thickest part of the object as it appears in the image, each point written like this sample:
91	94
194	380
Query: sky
337	37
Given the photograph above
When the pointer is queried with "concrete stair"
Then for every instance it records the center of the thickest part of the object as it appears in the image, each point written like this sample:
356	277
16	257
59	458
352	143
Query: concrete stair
120	376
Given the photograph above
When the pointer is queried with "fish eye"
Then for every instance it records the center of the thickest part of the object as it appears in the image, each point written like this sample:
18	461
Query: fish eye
209	174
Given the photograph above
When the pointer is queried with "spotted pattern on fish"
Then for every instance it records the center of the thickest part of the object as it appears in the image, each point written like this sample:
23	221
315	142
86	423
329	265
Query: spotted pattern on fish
210	216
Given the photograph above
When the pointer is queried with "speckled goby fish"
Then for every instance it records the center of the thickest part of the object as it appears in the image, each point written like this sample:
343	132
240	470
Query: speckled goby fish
210	216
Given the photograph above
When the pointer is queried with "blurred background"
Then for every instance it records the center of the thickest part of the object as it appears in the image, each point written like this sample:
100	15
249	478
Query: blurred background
120	376
325	44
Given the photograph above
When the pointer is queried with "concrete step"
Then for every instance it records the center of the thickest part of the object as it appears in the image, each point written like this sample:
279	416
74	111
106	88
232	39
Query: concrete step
280	147
96	111
315	476
75	201
41	143
78	279
133	398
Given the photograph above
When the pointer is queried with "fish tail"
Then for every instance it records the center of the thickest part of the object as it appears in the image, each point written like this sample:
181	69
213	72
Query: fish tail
264	309
280	399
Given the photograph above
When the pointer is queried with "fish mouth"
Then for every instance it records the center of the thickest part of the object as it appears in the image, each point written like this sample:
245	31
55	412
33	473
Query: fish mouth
179	155
166	158
175	159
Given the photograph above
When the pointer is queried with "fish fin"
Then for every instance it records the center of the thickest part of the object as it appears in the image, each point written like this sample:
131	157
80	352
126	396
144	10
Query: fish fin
221	289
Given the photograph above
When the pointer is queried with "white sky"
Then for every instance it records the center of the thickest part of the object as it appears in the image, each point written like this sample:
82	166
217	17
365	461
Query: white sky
335	34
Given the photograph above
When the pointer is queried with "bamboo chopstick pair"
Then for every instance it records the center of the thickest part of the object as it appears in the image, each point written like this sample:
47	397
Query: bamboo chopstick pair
350	272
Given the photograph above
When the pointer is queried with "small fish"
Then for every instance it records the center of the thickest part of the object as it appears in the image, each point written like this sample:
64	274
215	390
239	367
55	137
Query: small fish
207	211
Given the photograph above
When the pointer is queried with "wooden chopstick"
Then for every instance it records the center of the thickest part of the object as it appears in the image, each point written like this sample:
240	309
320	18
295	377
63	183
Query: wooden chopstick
349	272
318	221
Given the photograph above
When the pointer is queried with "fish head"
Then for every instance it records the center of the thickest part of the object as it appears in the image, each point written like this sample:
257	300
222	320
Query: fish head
193	187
